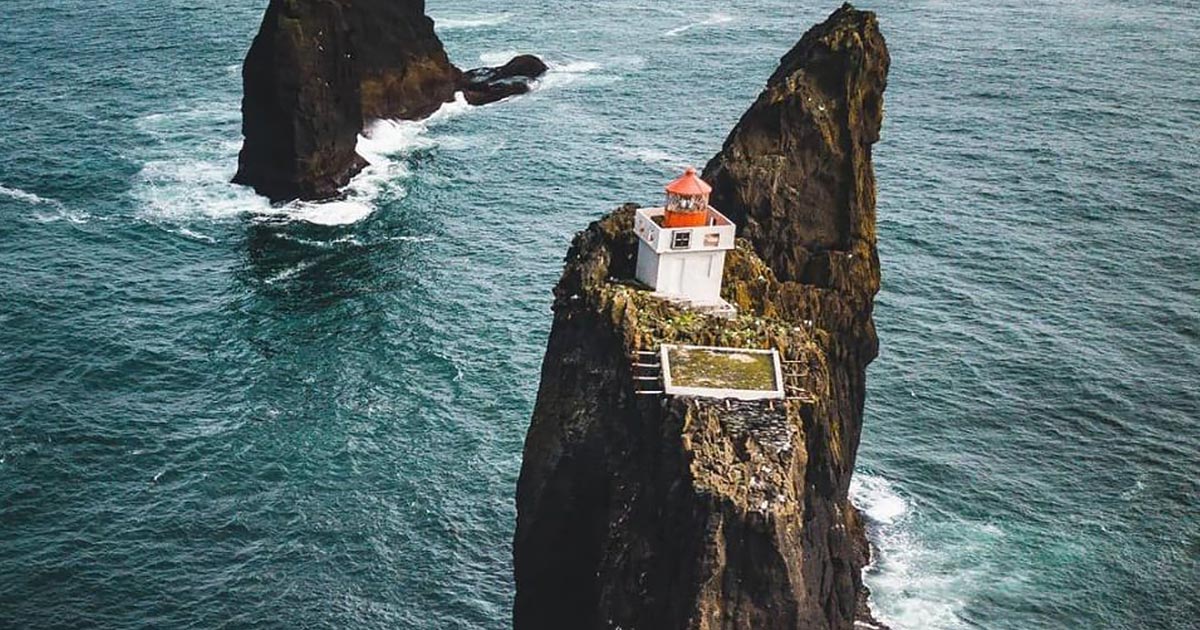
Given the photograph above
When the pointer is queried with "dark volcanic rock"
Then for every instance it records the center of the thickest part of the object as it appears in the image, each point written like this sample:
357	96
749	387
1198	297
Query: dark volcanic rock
404	69
488	85
301	110
796	171
705	514
316	71
796	176
320	69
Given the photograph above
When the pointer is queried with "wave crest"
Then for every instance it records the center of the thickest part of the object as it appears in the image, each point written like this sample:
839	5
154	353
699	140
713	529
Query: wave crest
188	180
915	577
452	22
714	19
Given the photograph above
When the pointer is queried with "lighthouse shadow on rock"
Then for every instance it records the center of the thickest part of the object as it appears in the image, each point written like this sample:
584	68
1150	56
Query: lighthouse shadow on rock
681	247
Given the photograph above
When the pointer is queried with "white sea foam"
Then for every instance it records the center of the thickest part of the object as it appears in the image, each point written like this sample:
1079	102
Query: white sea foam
290	272
455	21
413	239
877	499
560	74
714	19
190	180
497	57
192	234
186	188
341	212
653	156
185	177
59	210
915	584
27	197
574	67
387	138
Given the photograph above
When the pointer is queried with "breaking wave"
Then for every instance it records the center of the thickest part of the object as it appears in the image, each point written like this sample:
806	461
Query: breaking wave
916	584
714	19
184	179
59	209
451	22
27	197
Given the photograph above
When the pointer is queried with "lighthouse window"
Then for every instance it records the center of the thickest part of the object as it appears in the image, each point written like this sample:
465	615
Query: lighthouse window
712	240
681	240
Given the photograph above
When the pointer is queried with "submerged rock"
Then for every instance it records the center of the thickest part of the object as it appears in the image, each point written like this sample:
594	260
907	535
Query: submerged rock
691	513
488	85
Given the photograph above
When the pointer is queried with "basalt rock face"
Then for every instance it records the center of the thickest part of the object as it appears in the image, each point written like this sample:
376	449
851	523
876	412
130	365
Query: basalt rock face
488	85
316	72
796	176
796	172
301	110
643	512
403	67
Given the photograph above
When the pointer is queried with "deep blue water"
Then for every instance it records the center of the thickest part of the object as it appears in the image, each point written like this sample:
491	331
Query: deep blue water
218	414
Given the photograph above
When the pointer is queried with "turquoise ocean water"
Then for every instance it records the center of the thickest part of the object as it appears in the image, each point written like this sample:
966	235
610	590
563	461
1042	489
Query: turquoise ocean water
214	413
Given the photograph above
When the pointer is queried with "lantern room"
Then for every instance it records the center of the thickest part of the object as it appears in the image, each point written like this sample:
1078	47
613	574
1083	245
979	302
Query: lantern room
681	246
687	201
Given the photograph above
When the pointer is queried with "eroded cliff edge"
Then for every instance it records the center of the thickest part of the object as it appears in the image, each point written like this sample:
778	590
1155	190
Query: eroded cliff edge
641	512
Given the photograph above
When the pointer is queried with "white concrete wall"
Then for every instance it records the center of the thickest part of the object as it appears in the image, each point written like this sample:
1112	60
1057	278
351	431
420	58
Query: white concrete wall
662	239
647	264
694	275
691	272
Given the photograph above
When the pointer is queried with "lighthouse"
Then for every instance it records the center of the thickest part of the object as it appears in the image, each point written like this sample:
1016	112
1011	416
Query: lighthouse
682	245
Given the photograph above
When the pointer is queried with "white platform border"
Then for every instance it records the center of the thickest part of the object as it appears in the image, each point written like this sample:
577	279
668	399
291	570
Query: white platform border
717	392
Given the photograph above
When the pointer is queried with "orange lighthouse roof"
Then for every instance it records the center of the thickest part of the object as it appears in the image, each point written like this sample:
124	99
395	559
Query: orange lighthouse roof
689	184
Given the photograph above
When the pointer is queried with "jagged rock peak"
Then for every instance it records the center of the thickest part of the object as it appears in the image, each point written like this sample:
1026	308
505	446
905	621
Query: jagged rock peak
682	513
700	514
795	173
320	69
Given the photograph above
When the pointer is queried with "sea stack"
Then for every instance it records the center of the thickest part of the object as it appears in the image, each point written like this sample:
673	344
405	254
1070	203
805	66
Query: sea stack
402	65
639	509
320	70
301	104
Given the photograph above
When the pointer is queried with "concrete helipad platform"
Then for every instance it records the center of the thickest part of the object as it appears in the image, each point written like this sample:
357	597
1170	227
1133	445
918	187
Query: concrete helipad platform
743	373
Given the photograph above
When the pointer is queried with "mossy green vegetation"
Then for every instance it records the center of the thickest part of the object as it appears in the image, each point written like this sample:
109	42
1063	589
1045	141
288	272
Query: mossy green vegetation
721	369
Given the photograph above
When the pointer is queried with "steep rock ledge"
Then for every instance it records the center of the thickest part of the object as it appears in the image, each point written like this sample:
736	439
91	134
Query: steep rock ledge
795	174
704	514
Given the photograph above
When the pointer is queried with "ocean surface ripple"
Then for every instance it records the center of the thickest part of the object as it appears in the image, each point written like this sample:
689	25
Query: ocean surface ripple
219	413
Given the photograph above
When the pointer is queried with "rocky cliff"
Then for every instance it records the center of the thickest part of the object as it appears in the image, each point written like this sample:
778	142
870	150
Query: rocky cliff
302	105
403	67
636	511
319	69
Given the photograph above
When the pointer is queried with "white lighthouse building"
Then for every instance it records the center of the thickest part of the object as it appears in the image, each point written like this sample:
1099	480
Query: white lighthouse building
681	251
